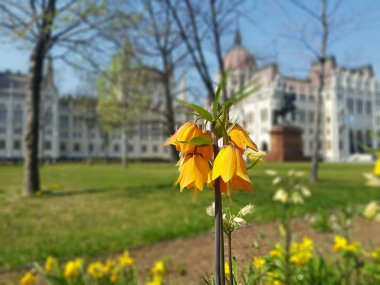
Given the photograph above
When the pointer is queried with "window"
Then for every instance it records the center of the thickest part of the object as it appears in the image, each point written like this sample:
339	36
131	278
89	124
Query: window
47	145
16	145
2	144
62	147
2	130
250	117
3	114
155	148
77	147
90	147
64	121
368	108
48	116
311	116
143	148
130	148
17	114
264	115
350	105
359	106
302	97
301	116
116	147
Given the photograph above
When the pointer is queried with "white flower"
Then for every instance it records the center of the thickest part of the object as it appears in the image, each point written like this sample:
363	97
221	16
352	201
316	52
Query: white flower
271	172
296	198
280	196
291	172
225	219
255	156
238	222
299	173
305	191
276	180
211	210
371	210
246	210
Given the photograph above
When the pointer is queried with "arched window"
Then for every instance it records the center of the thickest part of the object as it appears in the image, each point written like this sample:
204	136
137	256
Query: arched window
264	146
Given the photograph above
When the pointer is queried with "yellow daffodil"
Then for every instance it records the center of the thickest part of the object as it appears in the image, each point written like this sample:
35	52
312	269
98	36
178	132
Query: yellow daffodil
340	243
226	269
125	259
258	262
240	138
158	268
193	172
229	165
49	264
278	251
96	270
29	278
72	268
375	254
353	247
301	253
376	170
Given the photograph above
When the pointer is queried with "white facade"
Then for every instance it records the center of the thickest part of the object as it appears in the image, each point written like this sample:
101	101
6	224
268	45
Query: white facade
65	136
350	103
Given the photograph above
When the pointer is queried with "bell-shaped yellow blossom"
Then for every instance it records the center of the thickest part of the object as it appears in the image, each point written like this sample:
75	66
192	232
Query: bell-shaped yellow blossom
193	172
226	269
240	138
229	165
29	278
50	263
184	134
376	170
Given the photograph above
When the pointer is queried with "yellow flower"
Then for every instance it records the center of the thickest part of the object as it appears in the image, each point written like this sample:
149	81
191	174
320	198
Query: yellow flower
376	170
50	263
258	262
193	172
96	270
72	268
301	253
240	138
375	254
226	269
184	134
353	247
29	278
277	251
158	268
340	243
229	165
125	259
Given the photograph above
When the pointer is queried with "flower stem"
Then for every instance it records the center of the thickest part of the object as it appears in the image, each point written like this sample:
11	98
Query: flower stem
219	259
229	236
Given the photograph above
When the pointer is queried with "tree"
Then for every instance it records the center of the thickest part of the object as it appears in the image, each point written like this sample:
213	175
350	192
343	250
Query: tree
121	96
71	28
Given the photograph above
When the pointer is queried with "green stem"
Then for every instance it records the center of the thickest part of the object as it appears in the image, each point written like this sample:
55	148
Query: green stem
229	236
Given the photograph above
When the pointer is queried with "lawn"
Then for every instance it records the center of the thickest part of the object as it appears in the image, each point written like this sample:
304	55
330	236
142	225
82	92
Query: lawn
90	210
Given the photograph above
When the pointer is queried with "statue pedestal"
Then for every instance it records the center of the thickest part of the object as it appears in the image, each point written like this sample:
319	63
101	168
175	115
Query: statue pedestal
286	144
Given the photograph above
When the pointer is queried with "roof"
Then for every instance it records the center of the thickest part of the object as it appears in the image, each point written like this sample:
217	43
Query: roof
10	80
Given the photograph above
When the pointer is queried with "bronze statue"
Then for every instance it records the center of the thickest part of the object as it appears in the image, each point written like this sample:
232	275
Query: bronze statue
286	106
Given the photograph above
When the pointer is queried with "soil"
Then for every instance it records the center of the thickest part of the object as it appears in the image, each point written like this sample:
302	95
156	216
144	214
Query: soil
191	258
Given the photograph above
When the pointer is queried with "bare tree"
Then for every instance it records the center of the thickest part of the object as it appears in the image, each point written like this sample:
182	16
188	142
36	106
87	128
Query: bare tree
68	29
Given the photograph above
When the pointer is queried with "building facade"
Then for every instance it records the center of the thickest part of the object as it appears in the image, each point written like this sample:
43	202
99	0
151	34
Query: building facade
69	132
350	103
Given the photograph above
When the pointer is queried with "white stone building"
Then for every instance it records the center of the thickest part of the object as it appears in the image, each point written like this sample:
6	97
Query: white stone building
350	103
65	135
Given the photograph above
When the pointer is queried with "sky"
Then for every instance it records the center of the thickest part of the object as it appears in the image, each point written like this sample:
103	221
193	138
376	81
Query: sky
265	28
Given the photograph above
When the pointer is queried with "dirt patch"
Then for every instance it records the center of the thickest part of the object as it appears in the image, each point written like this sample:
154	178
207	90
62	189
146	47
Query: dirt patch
191	258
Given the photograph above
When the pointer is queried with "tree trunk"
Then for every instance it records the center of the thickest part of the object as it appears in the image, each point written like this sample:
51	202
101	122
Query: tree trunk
33	95
321	86
124	159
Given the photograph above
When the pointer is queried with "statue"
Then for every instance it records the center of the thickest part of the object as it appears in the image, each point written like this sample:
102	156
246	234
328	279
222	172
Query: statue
287	106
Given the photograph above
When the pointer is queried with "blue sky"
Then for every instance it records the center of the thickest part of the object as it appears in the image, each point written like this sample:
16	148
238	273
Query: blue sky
264	35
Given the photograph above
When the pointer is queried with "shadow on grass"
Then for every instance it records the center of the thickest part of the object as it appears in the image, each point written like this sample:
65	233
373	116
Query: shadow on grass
131	191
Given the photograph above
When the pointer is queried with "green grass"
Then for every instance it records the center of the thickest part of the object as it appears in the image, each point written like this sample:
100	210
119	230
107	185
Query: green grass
105	208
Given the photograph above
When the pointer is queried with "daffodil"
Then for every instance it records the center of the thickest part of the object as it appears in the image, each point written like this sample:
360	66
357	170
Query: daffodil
125	259
50	263
301	253
96	270
277	251
158	268
29	278
340	243
72	268
375	254
229	165
376	170
258	262
193	172
240	138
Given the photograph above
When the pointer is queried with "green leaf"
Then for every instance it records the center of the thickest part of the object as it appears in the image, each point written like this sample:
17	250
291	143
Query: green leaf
199	141
201	112
243	93
217	94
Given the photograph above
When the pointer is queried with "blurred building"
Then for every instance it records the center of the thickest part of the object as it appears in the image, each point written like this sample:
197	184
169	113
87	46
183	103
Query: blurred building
70	128
350	103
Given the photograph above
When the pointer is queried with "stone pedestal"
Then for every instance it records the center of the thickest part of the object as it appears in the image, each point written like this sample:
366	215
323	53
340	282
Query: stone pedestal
286	144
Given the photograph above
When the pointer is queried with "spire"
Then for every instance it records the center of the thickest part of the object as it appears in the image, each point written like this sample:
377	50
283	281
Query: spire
237	41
